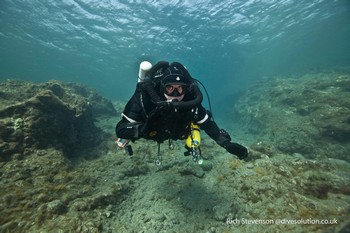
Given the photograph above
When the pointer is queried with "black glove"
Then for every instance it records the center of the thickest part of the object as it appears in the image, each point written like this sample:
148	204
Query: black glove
237	149
224	140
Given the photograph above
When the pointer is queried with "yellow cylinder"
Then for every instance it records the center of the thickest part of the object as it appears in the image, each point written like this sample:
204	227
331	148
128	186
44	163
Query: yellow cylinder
194	139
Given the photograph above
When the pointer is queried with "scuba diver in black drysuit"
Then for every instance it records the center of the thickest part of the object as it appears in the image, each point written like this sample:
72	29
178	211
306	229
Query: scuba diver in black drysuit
167	106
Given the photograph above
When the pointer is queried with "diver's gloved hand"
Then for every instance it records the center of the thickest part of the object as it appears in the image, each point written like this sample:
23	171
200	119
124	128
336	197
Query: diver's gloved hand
236	149
224	140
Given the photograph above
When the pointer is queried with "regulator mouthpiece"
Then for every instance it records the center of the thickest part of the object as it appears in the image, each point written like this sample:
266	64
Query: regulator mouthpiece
144	67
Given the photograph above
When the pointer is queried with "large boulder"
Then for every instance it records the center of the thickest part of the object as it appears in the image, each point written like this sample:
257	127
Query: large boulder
49	115
309	115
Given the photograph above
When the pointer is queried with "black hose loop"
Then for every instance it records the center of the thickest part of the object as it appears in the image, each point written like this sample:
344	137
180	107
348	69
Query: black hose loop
190	103
149	88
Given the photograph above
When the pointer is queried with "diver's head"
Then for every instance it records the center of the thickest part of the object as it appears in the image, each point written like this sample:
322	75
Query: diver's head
174	91
175	83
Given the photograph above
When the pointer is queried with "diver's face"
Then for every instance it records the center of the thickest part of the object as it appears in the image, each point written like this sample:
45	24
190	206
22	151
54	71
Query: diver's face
174	91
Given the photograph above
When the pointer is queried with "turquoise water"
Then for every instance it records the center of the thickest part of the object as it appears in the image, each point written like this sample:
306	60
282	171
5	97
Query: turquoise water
227	44
60	170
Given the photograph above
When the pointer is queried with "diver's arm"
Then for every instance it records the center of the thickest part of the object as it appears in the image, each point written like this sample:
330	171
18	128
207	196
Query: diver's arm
128	130
222	138
132	119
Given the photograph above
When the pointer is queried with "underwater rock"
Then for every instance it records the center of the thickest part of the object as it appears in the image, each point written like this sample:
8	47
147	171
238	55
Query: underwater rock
191	170
224	211
308	115
345	228
207	166
110	196
136	170
56	207
53	114
109	191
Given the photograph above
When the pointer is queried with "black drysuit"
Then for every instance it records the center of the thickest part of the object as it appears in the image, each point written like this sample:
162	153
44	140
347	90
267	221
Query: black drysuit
162	123
143	119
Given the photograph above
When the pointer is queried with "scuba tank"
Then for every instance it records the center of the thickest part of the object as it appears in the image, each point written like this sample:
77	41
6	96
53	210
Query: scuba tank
192	143
194	138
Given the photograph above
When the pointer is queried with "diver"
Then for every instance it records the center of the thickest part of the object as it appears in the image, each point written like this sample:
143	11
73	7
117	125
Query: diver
167	106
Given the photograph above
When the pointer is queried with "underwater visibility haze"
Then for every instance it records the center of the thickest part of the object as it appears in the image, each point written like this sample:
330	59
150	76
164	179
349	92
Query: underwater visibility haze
226	44
278	76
